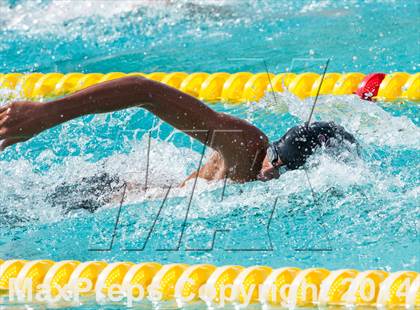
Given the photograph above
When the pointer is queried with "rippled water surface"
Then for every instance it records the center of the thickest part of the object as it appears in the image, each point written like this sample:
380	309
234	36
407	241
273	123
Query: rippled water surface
365	213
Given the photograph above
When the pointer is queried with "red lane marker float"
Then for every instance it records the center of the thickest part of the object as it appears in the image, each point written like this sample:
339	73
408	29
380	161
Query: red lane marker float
369	86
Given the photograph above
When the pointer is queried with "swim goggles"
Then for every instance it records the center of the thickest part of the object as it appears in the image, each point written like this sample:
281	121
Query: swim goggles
273	157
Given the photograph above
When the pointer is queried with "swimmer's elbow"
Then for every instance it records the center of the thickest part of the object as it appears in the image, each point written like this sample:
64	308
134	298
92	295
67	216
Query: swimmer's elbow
147	91
139	85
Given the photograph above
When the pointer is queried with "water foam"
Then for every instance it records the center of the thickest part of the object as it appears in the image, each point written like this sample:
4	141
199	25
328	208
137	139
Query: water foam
37	17
368	120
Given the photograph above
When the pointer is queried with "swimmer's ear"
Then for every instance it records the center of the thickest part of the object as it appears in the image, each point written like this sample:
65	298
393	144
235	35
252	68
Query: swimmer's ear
8	142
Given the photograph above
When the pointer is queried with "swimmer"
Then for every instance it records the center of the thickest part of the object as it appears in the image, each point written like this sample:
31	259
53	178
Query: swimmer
242	152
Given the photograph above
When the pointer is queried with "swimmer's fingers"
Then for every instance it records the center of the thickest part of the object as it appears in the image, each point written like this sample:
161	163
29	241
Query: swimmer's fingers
3	129
3	108
20	120
4	118
8	142
3	112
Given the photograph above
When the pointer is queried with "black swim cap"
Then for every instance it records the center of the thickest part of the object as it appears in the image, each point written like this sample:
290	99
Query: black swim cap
300	142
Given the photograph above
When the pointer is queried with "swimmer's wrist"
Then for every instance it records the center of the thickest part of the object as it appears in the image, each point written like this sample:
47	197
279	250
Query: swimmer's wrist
101	98
56	112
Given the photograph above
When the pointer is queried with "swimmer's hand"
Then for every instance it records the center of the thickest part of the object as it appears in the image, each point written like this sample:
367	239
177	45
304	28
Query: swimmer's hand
20	121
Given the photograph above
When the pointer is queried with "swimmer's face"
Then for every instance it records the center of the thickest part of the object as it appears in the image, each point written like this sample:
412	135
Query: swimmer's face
269	171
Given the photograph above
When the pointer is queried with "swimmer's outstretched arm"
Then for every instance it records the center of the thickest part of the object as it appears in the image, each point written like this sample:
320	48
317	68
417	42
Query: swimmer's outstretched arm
237	140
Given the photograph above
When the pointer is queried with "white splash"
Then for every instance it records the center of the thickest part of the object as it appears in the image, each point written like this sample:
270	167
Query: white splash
315	6
37	17
368	120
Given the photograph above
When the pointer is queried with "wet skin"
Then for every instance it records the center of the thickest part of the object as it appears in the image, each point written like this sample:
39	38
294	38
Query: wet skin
239	147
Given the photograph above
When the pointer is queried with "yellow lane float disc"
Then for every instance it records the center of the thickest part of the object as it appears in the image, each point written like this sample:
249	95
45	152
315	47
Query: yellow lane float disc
234	87
136	74
364	288
113	274
192	83
165	280
327	84
156	76
277	285
411	89
335	285
9	269
59	275
111	76
88	80
212	87
27	83
413	296
220	283
66	83
280	82
10	80
305	287
32	274
174	79
85	275
45	86
188	285
140	275
249	282
301	85
391	86
348	83
256	86
394	289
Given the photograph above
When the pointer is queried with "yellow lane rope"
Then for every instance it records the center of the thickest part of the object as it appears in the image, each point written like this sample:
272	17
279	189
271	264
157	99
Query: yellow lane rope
221	86
288	286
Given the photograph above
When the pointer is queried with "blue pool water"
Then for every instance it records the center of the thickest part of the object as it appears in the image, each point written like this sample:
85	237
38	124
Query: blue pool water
366	211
